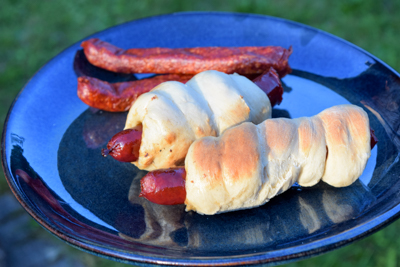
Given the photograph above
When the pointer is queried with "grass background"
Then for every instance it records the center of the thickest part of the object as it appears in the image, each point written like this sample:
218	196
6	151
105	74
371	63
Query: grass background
33	32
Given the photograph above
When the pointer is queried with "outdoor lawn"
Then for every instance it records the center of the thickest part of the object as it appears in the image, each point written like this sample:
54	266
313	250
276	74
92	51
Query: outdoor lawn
33	32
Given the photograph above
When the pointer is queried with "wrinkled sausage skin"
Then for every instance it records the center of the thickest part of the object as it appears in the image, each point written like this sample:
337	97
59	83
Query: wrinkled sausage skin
242	60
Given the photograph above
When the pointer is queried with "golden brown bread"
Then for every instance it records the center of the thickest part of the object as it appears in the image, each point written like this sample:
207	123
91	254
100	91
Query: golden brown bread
248	164
173	115
348	141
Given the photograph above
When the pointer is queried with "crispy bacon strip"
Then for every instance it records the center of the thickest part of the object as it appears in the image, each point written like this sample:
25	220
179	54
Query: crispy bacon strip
242	60
118	97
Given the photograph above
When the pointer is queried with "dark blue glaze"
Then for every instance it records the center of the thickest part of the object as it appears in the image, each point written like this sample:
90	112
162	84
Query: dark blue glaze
51	152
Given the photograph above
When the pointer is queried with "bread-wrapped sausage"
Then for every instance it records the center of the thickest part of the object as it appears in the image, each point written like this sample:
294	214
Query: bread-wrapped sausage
173	115
249	164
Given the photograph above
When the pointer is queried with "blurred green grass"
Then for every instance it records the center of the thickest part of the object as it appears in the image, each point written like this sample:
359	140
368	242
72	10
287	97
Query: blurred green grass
31	33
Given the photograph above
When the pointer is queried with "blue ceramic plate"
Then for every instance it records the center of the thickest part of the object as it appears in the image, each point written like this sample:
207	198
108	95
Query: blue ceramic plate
52	141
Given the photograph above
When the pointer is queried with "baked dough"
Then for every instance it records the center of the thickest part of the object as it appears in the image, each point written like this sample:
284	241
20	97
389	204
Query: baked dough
248	165
173	115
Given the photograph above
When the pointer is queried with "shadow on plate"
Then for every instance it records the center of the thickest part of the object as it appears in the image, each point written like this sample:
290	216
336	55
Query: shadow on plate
110	189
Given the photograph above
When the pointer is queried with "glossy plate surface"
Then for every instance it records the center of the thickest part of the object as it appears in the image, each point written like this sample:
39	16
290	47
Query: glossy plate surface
52	141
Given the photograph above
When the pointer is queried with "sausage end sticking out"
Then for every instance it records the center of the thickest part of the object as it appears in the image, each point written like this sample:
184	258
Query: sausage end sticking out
164	187
270	83
125	145
374	139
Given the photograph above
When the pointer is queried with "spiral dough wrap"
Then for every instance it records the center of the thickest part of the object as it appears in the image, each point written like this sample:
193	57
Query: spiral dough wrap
248	165
173	115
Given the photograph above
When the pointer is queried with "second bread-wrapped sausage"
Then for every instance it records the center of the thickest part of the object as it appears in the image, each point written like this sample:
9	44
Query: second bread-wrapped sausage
248	165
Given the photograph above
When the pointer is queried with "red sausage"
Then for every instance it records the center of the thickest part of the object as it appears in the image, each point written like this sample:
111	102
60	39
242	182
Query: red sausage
125	145
164	186
242	60
270	83
118	97
374	139
120	147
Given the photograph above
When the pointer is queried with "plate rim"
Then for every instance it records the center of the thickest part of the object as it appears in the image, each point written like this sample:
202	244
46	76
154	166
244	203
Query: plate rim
302	251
